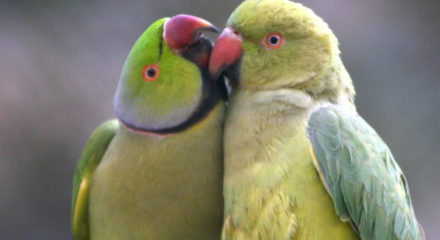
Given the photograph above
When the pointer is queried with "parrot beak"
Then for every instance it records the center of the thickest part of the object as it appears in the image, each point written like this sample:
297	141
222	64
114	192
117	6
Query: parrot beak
227	52
183	31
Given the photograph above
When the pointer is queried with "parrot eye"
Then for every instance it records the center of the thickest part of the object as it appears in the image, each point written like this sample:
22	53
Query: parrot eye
151	72
273	40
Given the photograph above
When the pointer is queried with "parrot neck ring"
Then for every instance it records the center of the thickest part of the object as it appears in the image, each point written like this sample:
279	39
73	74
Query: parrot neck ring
148	133
210	99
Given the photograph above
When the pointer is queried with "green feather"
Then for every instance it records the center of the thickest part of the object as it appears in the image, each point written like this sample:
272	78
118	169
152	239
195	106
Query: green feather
90	158
365	182
166	101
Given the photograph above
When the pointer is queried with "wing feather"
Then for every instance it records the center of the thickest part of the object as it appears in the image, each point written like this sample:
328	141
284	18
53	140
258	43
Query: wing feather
90	158
361	175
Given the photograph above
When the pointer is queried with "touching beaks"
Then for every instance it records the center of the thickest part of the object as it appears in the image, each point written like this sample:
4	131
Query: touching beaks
227	51
183	30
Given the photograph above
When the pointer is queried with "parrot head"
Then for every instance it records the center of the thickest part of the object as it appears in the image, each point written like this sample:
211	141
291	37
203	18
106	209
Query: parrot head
164	84
270	44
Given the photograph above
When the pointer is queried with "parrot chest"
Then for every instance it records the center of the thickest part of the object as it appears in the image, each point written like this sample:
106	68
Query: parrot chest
272	190
170	188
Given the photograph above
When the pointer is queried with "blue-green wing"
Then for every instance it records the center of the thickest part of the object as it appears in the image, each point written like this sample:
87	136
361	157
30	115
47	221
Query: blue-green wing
90	158
367	186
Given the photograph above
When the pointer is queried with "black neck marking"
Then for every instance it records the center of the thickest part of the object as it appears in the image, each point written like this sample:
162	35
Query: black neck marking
212	94
160	46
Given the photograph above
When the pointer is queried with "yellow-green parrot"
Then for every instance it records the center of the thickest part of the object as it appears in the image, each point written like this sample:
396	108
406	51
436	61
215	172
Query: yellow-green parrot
300	163
156	172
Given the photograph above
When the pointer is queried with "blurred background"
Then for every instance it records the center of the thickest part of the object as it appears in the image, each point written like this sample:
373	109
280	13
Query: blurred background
60	63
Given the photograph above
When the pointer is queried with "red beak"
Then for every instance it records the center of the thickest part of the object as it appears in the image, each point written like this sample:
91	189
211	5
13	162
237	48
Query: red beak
182	30
226	52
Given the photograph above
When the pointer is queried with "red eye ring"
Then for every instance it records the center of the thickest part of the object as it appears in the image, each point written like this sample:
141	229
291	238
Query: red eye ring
150	72
273	40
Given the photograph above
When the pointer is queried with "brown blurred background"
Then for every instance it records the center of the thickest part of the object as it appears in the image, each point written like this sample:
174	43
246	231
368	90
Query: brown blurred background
60	63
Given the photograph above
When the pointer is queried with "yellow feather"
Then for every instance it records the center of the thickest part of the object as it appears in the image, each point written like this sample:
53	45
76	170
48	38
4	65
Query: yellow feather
81	202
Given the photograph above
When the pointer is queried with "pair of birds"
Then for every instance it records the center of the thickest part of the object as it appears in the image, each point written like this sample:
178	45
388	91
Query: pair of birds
291	157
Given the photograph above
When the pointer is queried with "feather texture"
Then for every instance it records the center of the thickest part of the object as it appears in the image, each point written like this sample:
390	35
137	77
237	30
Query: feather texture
366	184
89	160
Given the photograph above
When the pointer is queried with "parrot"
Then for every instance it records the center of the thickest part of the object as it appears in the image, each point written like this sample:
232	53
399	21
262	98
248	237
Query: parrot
156	171
299	161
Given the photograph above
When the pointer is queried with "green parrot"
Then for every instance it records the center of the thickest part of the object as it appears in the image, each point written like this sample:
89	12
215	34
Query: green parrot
300	163
156	172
